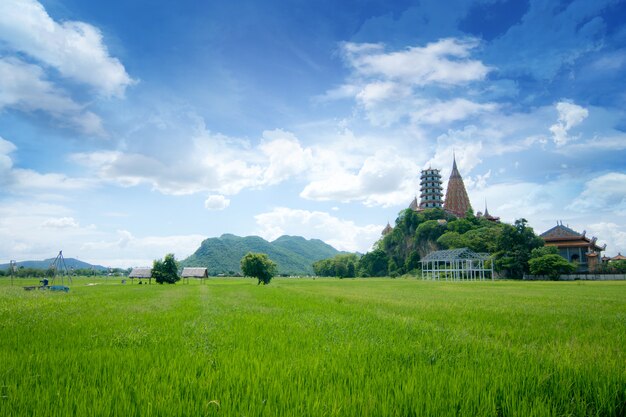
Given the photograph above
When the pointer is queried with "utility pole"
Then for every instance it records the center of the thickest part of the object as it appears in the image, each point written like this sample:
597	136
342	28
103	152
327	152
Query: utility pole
12	270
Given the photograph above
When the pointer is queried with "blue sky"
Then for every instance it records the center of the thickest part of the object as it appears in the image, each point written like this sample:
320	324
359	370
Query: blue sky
130	129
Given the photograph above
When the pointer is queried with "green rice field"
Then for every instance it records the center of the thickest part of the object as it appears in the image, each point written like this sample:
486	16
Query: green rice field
314	347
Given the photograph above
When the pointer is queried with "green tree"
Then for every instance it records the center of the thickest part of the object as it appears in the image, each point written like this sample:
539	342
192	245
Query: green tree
619	265
259	266
514	246
165	271
374	264
551	265
342	266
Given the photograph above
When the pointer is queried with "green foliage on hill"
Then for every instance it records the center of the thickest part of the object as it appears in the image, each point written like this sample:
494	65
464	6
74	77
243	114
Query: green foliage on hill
416	234
294	255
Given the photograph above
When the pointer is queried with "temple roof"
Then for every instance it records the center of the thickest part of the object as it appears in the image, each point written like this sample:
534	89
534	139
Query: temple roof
563	236
413	205
559	232
619	257
387	229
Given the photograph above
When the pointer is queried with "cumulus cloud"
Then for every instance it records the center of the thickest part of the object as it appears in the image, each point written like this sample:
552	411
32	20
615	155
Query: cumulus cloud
213	163
391	86
383	179
570	115
285	155
75	49
614	235
606	193
216	202
339	233
24	86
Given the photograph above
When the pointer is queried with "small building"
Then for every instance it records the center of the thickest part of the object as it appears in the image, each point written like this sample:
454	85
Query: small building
575	247
200	273
141	273
619	257
457	265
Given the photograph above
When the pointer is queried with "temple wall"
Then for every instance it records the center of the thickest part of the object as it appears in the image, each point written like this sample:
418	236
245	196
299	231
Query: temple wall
581	277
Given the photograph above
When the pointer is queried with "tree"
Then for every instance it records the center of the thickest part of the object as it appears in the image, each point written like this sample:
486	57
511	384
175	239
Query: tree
259	266
514	246
374	264
619	265
165	271
342	266
551	265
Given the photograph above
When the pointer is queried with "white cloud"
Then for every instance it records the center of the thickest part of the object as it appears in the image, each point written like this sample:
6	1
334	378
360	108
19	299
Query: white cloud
341	234
286	156
392	86
605	193
614	235
216	202
25	181
570	115
32	230
448	111
75	49
60	223
383	179
23	86
443	62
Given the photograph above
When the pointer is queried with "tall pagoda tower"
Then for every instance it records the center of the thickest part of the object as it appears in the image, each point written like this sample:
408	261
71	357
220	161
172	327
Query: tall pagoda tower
431	191
456	202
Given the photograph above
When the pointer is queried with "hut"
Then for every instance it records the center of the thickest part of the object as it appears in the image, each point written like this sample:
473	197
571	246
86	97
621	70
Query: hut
200	273
141	273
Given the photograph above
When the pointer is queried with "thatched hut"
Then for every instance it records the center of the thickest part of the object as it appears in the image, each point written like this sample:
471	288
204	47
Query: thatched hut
141	273
200	273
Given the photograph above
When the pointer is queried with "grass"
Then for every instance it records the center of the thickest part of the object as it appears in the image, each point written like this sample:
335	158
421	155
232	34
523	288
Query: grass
324	347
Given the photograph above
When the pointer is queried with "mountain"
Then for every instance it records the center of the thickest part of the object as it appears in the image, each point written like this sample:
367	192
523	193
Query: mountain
71	263
293	255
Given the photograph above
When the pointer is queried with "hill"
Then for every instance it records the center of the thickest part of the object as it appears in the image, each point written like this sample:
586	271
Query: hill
71	263
294	255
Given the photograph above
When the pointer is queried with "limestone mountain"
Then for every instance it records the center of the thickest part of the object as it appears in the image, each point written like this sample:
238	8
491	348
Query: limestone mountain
294	255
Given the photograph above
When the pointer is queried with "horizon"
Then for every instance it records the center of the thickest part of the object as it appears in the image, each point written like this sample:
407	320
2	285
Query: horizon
128	132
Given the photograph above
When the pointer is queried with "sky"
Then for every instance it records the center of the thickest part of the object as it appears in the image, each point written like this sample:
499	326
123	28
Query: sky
132	129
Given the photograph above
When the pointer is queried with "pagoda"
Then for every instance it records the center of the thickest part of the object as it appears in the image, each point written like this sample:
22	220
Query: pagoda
457	202
431	191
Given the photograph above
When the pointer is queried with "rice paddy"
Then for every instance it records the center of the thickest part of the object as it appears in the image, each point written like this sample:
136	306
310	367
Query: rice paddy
323	347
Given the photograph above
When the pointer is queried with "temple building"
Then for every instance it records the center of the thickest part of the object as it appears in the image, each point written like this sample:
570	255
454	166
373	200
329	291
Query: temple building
488	216
431	191
575	247
457	202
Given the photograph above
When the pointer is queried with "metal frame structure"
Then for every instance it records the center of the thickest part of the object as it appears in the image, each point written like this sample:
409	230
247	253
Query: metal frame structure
58	265
457	265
